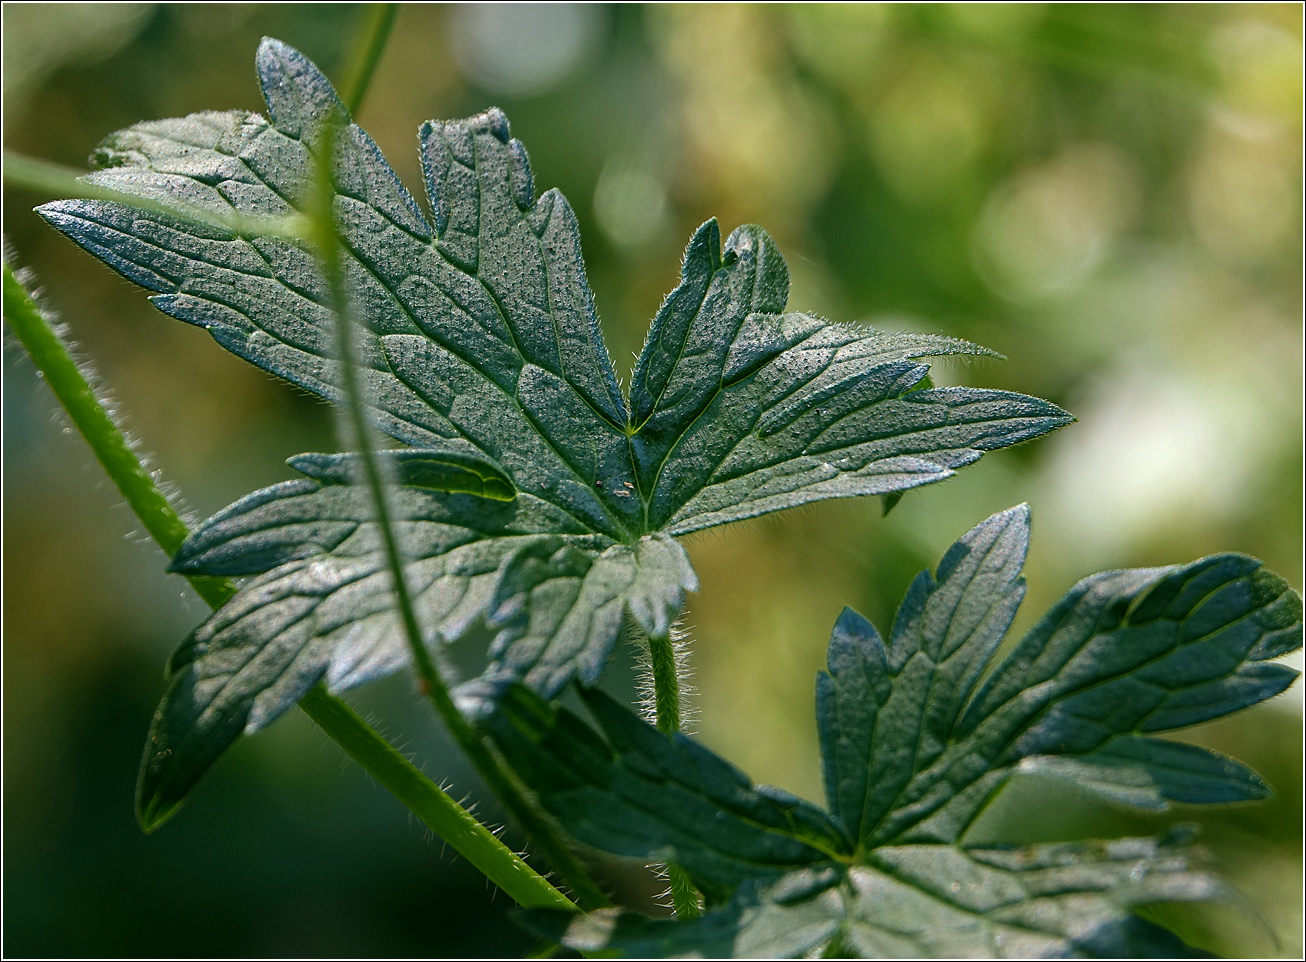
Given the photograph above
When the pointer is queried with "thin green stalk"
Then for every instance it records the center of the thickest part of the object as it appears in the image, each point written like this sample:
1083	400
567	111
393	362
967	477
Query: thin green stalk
666	684
53	359
446	818
367	54
57	181
546	839
684	896
666	707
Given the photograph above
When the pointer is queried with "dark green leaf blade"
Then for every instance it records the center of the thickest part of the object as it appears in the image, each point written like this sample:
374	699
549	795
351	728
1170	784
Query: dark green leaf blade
321	606
886	713
925	901
1124	655
628	789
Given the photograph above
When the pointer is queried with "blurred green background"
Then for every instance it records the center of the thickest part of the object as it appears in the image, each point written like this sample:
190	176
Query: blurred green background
1109	195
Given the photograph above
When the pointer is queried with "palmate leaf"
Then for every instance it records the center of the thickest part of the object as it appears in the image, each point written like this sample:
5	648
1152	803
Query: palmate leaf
917	735
480	346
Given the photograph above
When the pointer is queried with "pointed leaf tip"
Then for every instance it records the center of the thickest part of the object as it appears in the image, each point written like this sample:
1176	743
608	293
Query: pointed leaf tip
854	624
754	245
299	96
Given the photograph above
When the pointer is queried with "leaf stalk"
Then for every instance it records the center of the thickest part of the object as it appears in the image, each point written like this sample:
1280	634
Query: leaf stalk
666	708
666	684
326	238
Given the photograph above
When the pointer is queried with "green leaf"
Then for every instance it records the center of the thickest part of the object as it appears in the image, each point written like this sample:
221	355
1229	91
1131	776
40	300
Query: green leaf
480	345
917	735
924	901
1124	655
627	788
886	712
740	410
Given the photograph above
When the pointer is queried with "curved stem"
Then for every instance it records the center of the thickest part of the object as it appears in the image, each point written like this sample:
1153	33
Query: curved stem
446	818
359	439
71	385
53	359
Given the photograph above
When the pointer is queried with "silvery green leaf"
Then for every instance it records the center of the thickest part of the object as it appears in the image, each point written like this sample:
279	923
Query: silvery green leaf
478	337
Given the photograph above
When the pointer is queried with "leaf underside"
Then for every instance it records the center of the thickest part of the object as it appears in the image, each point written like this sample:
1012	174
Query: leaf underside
481	350
918	734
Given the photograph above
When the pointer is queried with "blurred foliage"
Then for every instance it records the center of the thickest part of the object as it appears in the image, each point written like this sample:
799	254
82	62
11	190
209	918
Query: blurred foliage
1110	195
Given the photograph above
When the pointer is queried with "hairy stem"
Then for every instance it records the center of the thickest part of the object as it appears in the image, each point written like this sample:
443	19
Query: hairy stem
53	359
666	684
71	385
684	896
666	707
367	54
446	818
359	427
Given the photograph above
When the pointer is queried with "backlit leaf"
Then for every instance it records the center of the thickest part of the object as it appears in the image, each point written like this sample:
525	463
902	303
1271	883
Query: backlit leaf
479	341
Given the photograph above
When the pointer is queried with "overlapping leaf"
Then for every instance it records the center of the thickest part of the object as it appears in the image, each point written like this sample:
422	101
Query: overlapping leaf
321	607
628	789
479	339
915	741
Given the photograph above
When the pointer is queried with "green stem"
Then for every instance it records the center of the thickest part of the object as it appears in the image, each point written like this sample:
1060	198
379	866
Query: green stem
666	706
367	54
666	685
684	896
550	844
446	818
53	359
54	180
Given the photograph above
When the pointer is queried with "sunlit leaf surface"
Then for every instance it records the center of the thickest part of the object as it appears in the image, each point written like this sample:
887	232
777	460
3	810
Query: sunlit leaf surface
549	495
